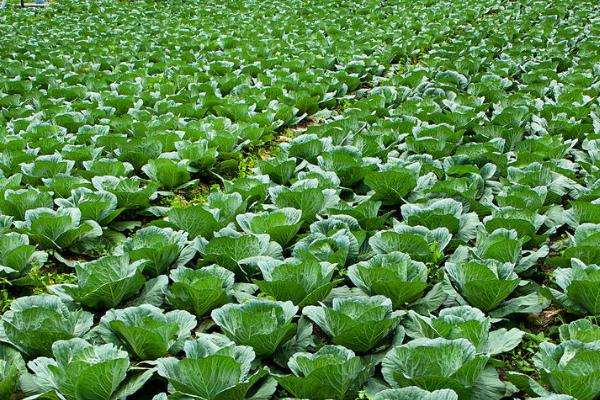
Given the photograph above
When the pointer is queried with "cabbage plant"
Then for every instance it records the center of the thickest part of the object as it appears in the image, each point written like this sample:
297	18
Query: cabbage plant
580	288
98	206
393	275
33	323
522	197
281	225
45	166
12	366
279	168
484	284
263	325
161	249
571	368
419	242
415	393
527	223
505	245
365	211
391	185
348	164
442	213
333	372
196	220
306	147
196	155
213	368
132	193
229	205
58	229
105	282
199	291
251	188
304	196
538	174
145	331
167	173
238	253
104	167
433	364
359	323
338	246
302	281
581	330
464	322
80	370
16	202
17	256
583	244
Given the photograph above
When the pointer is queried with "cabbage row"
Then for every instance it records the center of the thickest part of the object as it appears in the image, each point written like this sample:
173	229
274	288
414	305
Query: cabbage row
423	210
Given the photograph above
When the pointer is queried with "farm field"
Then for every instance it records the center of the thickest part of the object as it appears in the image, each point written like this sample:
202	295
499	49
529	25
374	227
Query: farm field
228	200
